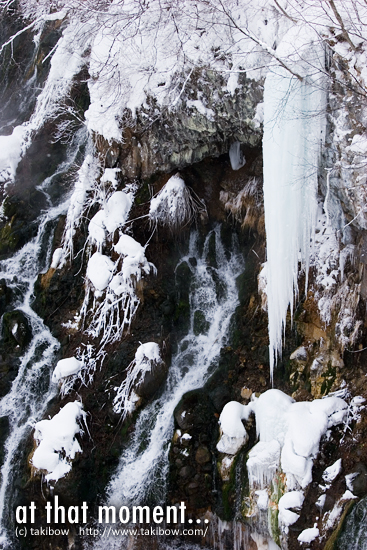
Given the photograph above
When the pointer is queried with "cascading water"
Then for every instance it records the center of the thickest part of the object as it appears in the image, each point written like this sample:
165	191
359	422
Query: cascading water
143	472
31	390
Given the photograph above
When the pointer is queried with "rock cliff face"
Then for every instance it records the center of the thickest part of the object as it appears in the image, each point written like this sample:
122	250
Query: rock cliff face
162	140
198	291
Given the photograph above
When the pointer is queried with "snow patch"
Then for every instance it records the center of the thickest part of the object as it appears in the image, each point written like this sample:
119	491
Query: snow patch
57	258
57	444
289	433
332	472
99	270
308	535
293	499
66	367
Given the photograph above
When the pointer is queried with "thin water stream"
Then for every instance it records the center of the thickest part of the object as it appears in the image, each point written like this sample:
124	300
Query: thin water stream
144	464
31	390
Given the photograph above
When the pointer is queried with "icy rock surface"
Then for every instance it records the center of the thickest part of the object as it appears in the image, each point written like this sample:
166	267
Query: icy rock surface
289	433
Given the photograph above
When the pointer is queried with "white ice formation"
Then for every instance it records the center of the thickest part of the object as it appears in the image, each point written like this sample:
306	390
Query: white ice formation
294	120
289	434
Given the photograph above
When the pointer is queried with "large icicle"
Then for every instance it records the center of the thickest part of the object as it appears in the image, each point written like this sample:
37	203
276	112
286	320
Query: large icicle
294	119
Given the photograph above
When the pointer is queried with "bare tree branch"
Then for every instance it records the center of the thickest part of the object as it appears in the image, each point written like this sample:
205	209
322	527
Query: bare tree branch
341	23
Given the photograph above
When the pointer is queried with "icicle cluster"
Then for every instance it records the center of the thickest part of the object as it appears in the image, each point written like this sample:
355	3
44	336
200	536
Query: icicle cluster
147	357
294	119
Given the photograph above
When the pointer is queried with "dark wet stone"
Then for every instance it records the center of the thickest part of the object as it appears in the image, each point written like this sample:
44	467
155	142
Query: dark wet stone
201	325
220	396
6	296
151	380
186	472
192	487
203	455
194	409
359	483
16	331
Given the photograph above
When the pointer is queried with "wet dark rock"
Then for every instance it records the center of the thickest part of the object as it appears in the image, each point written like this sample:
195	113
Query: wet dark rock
8	372
202	455
212	256
167	307
183	281
151	380
194	409
20	215
4	432
328	504
201	325
186	472
192	487
6	296
359	482
183	277
16	331
220	396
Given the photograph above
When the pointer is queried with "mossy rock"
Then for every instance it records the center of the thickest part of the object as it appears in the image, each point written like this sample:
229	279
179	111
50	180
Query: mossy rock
341	531
201	325
278	487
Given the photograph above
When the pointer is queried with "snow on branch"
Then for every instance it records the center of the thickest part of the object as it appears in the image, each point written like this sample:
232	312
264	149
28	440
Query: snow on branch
115	286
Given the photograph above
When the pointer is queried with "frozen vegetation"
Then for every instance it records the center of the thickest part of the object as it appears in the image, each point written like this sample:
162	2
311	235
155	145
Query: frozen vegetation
174	206
147	358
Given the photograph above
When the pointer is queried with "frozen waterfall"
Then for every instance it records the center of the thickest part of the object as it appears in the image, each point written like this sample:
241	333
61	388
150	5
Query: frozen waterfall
294	120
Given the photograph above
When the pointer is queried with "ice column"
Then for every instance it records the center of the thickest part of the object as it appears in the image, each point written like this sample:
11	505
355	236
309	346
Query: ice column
294	120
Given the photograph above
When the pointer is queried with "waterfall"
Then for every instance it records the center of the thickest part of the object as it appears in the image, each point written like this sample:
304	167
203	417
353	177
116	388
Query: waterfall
141	471
294	119
31	391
